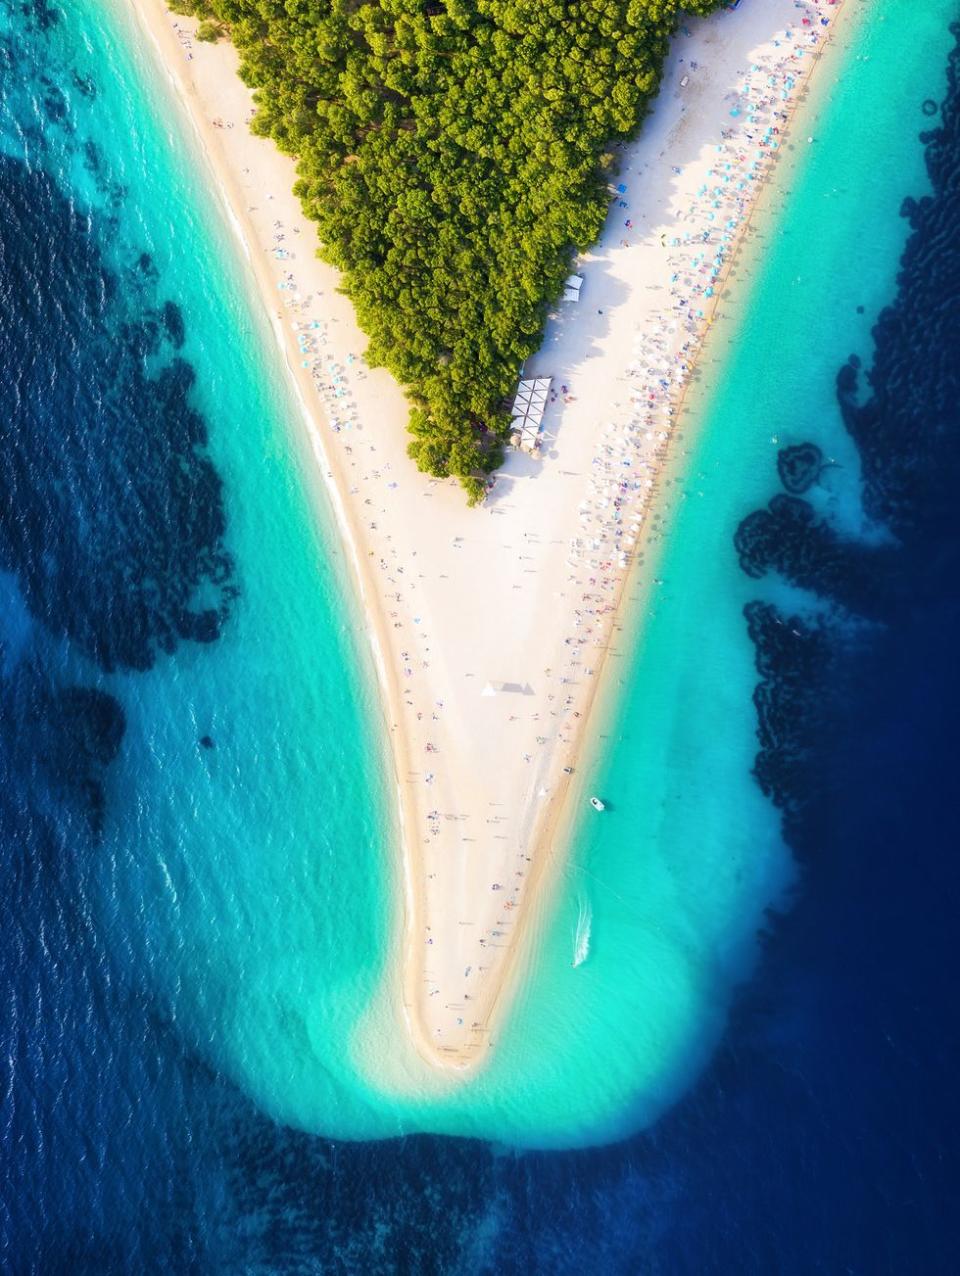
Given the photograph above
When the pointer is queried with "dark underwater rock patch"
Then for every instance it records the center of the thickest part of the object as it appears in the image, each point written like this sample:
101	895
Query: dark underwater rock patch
173	322
63	738
111	512
793	659
42	13
93	720
906	430
85	85
904	417
789	539
54	101
799	467
93	158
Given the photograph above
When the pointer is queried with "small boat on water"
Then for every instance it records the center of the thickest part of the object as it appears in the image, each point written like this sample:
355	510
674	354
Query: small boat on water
598	804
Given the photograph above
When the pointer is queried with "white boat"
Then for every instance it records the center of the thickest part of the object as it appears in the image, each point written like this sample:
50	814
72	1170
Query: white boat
581	940
597	804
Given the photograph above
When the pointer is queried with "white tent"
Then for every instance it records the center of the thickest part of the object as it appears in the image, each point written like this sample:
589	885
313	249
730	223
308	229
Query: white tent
516	688
532	396
528	408
529	437
571	288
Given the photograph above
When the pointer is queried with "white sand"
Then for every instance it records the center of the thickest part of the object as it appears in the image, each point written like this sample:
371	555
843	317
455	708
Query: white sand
525	590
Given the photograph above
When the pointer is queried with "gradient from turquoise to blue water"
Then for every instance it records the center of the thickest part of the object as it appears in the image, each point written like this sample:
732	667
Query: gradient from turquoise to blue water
187	715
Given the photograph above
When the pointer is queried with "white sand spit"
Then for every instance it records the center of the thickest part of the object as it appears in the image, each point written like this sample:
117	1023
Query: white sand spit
490	626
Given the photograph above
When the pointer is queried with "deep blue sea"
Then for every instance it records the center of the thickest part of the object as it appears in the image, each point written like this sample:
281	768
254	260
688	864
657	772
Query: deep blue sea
824	1136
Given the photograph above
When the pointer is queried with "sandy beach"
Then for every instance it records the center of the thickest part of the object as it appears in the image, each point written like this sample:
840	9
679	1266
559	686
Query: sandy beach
490	627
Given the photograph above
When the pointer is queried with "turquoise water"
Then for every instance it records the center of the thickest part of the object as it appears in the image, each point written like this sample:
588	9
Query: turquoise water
252	883
690	856
238	870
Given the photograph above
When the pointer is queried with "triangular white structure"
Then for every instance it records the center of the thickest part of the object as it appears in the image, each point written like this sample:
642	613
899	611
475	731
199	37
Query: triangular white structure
528	409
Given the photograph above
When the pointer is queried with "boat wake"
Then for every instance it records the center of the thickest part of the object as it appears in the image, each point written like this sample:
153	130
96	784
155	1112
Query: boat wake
581	942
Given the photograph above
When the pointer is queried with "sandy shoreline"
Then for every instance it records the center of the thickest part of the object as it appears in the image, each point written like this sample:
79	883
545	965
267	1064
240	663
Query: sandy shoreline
490	628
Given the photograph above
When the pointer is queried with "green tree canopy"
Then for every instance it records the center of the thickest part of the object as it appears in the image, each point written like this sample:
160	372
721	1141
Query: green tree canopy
454	154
